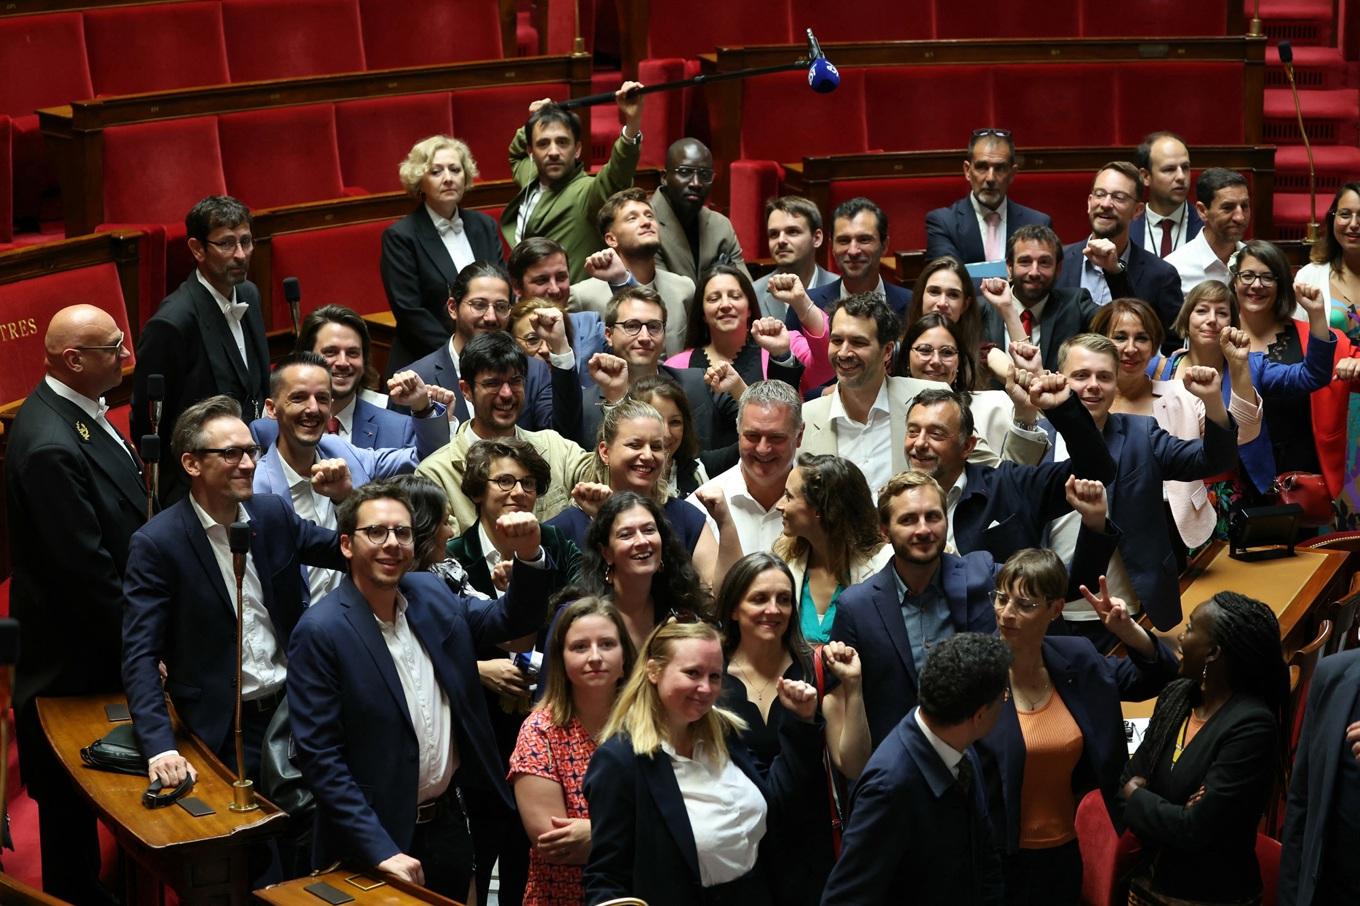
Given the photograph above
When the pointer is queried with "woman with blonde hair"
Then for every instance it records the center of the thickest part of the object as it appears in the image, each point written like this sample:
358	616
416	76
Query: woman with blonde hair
423	252
679	807
590	654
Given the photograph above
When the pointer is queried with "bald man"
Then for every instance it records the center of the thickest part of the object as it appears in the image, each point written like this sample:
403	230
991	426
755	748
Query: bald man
693	237
75	495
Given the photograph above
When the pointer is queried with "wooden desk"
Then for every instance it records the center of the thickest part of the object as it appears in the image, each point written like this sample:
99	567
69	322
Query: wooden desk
204	859
382	332
391	893
1291	586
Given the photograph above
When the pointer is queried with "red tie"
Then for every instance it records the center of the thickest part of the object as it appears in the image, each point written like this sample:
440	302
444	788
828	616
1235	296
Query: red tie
1166	238
332	425
1027	322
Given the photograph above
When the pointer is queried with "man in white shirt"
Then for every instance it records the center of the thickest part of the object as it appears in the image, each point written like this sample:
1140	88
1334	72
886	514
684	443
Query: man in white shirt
769	429
1223	201
1168	221
793	230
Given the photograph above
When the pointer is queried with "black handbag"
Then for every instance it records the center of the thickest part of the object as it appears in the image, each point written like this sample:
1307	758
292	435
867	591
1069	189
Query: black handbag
280	780
117	751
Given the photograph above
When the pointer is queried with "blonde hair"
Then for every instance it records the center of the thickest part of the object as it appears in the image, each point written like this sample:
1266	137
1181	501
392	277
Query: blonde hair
417	164
1093	342
637	711
613	418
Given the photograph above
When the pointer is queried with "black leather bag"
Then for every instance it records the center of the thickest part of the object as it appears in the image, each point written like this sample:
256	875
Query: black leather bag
116	751
280	780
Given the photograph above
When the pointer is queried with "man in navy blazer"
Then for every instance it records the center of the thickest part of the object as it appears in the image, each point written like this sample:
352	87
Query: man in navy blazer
918	820
538	268
859	237
957	229
1322	819
391	727
180	598
1107	264
1168	220
480	303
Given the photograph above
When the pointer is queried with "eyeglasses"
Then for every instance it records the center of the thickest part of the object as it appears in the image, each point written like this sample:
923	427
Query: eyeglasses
925	351
999	133
1247	278
685	174
1000	599
245	243
378	534
481	305
111	347
528	483
493	385
634	327
1116	197
232	455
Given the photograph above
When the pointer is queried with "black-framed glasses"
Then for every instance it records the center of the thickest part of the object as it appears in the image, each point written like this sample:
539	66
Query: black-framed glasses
109	347
528	484
685	174
633	327
378	534
481	305
999	133
232	455
1000	599
925	351
1247	278
1116	197
244	243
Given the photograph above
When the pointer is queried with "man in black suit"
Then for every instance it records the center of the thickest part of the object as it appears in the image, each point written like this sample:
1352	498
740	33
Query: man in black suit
1168	220
1046	315
859	236
978	226
921	795
75	495
1322	820
1107	264
207	337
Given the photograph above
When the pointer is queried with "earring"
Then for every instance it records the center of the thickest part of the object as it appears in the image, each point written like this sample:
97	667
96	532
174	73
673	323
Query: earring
608	573
1204	676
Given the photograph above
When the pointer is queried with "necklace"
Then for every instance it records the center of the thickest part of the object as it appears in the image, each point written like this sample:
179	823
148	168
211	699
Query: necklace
746	677
1028	702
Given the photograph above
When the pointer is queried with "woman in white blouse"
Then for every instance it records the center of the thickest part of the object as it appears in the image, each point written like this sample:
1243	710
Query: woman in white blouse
678	805
423	252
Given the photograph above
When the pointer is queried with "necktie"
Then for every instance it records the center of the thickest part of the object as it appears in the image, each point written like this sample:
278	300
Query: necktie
1027	322
332	425
966	778
1167	226
991	245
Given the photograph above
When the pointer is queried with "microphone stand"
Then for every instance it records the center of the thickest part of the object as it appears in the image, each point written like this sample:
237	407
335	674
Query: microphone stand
151	458
242	788
591	100
1314	230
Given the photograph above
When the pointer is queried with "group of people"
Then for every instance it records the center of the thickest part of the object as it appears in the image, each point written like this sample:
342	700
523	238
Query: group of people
642	578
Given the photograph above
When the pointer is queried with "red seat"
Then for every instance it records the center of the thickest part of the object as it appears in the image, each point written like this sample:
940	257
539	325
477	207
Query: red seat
449	31
1061	196
281	39
1208	107
375	135
486	118
1056	18
1105	856
1101	18
825	123
689	29
6	178
156	48
337	265
663	117
874	20
897	93
905	201
1268	852
155	172
282	155
1059	104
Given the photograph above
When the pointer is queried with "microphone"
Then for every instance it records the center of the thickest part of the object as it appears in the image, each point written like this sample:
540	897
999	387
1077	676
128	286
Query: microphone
814	49
238	539
292	291
823	77
1287	58
155	391
150	450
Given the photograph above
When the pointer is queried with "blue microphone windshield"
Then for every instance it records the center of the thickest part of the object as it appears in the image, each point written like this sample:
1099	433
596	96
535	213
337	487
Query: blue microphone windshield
823	76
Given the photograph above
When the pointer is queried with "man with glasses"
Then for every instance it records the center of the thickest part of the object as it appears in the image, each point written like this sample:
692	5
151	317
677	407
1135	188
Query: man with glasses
1107	264
633	242
392	736
693	237
180	591
75	495
207	337
977	227
479	302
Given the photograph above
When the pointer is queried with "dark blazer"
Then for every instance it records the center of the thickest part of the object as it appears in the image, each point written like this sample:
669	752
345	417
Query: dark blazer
641	842
825	296
375	428
356	744
1067	313
552	396
417	274
954	230
188	341
1312	788
561	550
178	611
1207	851
1091	685
1146	277
912	835
869	619
1138	228
74	498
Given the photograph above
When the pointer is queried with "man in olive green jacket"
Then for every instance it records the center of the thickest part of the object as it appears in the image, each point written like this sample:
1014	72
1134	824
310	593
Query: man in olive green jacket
558	198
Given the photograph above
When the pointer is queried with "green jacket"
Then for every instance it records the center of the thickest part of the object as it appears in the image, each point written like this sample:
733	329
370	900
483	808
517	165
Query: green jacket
561	550
567	212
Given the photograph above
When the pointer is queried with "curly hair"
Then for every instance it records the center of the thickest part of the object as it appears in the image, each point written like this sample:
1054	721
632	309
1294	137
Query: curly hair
836	490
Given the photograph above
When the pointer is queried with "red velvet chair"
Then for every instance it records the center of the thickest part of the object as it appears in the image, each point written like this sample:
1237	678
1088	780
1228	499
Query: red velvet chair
486	118
1061	196
280	39
1056	18
1105	856
872	20
897	95
1058	104
1210	114
337	265
1268	856
428	32
155	48
824	123
663	116
6	179
375	135
689	29
282	155
1101	18
905	201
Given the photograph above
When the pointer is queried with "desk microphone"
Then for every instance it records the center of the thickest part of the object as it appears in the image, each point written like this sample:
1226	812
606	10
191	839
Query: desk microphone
1287	58
155	391
823	77
292	291
151	457
238	539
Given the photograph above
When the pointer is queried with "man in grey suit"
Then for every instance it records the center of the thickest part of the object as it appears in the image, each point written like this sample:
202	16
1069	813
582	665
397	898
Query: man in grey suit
793	228
693	237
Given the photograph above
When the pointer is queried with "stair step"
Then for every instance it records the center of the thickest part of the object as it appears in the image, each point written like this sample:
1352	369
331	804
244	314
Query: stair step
1331	117
1292	9
1292	213
1336	164
1297	21
1314	68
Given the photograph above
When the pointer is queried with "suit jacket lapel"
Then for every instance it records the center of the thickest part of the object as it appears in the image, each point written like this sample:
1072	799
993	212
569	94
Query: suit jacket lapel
109	456
889	607
477	572
365	421
665	790
202	548
968	231
227	366
361	620
433	246
446	375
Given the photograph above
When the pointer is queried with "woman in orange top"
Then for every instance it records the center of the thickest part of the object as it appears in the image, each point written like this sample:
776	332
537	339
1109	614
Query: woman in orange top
1061	734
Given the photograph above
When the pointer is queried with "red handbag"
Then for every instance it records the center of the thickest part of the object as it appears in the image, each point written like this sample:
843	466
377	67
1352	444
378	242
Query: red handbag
1309	491
833	794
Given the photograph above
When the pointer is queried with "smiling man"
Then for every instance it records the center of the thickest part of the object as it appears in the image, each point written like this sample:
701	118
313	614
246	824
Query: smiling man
1223	202
693	237
859	238
793	230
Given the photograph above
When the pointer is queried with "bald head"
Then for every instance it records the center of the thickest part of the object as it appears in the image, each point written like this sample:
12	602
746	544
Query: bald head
689	176
85	350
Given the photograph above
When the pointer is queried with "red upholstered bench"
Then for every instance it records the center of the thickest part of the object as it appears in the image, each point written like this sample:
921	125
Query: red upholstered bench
338	265
1101	18
426	32
376	134
281	155
281	39
486	118
155	48
898	96
1210	114
1006	20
